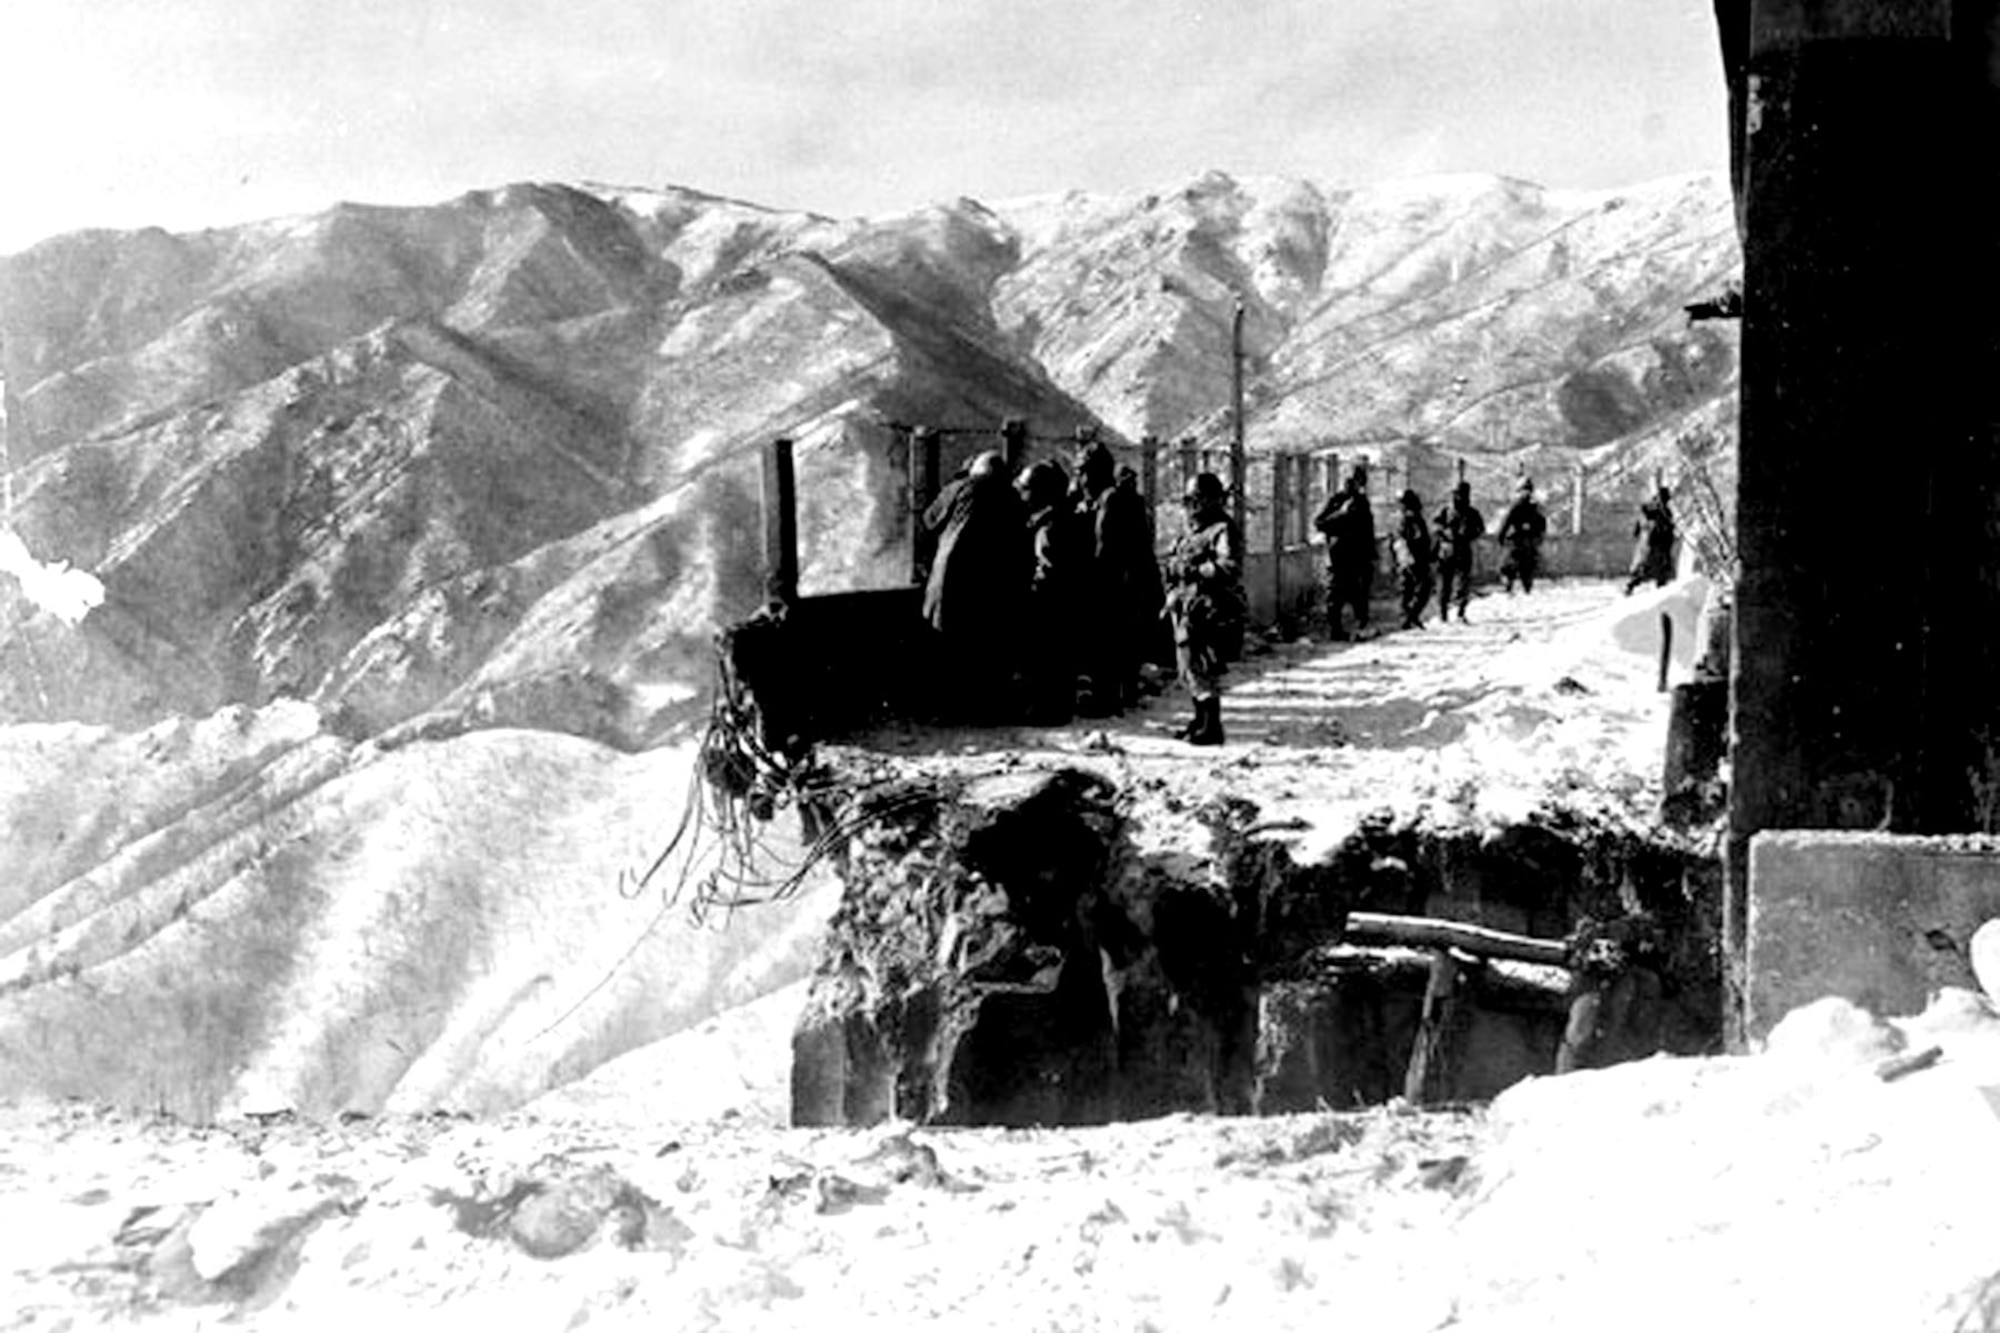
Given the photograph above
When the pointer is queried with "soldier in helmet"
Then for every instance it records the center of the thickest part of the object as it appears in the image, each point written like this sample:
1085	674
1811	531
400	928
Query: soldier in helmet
1521	534
1458	528
1205	600
1348	523
1413	538
1122	596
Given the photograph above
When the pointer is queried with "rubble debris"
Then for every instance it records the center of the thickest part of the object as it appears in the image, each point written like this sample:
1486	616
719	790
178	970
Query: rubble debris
561	1209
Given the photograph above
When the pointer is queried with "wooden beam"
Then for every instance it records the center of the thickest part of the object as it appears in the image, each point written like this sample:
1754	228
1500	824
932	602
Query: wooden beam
1430	933
1428	1077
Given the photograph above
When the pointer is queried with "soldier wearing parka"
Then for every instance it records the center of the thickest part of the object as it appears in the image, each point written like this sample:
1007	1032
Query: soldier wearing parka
1122	596
973	596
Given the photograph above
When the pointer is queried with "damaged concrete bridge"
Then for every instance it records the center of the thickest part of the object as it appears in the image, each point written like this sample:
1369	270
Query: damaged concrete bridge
1425	865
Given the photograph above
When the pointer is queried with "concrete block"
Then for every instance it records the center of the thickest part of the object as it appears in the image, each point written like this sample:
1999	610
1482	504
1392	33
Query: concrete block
1881	919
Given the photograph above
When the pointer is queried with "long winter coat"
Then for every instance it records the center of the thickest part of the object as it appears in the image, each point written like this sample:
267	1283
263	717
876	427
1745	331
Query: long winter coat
980	572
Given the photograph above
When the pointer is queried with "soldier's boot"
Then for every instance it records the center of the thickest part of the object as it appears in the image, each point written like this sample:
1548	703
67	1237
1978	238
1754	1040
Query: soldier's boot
1207	728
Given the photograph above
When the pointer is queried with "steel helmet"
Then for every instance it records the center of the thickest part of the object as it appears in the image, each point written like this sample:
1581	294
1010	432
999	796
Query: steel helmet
1204	488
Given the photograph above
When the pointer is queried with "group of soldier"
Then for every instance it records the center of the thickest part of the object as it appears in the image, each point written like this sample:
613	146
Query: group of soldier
1048	593
1045	592
1432	555
1437	555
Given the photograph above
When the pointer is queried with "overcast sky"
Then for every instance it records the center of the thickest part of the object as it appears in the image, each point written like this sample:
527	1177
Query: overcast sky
187	113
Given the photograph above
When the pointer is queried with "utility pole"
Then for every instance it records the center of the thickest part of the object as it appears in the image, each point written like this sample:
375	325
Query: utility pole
1237	468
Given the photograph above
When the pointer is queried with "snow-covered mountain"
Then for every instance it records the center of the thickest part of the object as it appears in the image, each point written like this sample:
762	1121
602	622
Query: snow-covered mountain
414	525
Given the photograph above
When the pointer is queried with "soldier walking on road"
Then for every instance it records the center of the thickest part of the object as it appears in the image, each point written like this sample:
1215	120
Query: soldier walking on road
1521	534
1653	555
1413	536
1205	601
1348	523
1458	529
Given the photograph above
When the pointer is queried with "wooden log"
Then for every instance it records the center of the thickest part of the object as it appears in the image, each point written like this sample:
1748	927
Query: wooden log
1430	933
1428	1078
1504	983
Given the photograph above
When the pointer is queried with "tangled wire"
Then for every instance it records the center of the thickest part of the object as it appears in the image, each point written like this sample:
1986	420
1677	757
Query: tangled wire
746	772
740	783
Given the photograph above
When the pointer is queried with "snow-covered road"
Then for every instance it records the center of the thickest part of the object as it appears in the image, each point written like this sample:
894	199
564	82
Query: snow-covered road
1534	698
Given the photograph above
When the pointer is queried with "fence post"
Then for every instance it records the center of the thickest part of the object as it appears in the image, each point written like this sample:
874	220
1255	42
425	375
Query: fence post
1301	499
1014	442
1239	464
925	448
781	524
1281	518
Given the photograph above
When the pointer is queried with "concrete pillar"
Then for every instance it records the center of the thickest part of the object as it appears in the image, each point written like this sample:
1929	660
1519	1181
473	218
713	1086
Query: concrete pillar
1862	691
781	524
